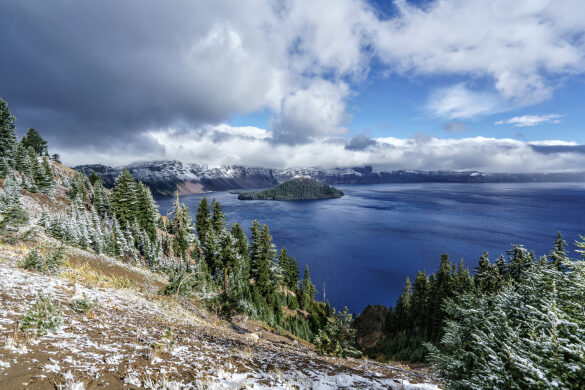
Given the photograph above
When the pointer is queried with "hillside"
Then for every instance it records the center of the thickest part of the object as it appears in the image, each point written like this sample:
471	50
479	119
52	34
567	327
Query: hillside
101	291
164	177
301	188
128	335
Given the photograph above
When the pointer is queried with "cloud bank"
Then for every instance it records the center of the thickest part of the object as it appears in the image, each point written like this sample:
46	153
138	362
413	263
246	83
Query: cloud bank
253	147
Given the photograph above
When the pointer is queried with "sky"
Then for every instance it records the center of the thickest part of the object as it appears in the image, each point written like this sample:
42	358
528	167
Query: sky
490	85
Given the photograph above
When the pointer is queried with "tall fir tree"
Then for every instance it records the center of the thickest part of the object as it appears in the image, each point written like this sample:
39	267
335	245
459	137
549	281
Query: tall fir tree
147	211
202	219
243	249
34	140
100	199
218	219
7	134
124	198
307	293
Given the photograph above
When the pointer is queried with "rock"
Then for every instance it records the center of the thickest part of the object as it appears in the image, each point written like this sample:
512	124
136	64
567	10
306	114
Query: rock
370	325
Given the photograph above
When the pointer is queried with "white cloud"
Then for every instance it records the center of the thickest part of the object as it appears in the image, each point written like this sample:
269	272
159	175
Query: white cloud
531	120
460	102
521	46
250	146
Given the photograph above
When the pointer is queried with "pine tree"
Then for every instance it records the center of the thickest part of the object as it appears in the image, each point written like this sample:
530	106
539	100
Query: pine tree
147	211
218	220
487	276
7	135
243	247
34	140
290	270
46	181
255	250
22	162
559	253
519	261
4	168
203	219
100	199
124	202
120	245
420	301
35	170
527	335
263	282
308	291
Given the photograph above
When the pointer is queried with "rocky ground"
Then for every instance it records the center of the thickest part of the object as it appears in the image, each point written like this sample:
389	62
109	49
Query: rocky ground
135	338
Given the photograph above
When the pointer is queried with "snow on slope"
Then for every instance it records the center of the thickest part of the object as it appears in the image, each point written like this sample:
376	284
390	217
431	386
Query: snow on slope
138	340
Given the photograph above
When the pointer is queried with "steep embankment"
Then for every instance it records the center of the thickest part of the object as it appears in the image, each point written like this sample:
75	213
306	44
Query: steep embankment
164	177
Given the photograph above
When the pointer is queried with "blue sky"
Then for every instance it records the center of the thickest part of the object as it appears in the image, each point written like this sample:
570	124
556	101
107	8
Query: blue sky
453	84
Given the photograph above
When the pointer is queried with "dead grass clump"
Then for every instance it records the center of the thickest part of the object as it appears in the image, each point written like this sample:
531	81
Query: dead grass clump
90	277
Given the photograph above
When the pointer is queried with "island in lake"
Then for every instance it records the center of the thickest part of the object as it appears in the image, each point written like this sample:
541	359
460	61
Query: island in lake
299	188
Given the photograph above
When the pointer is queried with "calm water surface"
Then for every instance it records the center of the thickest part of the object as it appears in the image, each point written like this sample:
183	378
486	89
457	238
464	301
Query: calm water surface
365	244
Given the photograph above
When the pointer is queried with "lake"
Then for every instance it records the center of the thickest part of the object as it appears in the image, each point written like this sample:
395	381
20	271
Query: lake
362	246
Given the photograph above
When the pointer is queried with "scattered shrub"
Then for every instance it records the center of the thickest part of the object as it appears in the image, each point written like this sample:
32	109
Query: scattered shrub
45	316
34	261
83	305
338	337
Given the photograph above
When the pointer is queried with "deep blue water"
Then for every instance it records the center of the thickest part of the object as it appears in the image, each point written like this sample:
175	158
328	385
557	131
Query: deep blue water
364	245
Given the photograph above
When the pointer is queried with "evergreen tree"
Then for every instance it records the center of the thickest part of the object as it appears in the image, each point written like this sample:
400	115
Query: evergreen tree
35	170
218	220
559	253
338	336
4	168
203	219
46	181
124	202
290	270
147	211
527	335
519	261
263	279
95	177
487	276
22	162
181	228
120	245
34	140
307	292
7	135
243	249
255	250
100	199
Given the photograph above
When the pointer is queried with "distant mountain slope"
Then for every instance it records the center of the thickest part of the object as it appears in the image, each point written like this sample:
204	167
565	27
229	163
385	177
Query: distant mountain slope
298	188
163	177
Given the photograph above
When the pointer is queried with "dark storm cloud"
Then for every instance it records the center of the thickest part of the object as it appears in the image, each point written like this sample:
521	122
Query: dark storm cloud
103	72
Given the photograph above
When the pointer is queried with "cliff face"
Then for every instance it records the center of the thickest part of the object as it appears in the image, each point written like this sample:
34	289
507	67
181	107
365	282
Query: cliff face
164	177
370	325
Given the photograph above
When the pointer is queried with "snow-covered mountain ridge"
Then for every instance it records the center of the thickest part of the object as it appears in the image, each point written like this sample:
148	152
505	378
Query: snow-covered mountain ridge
164	177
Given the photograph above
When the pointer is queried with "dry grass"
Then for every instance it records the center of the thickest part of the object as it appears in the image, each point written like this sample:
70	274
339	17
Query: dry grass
90	277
